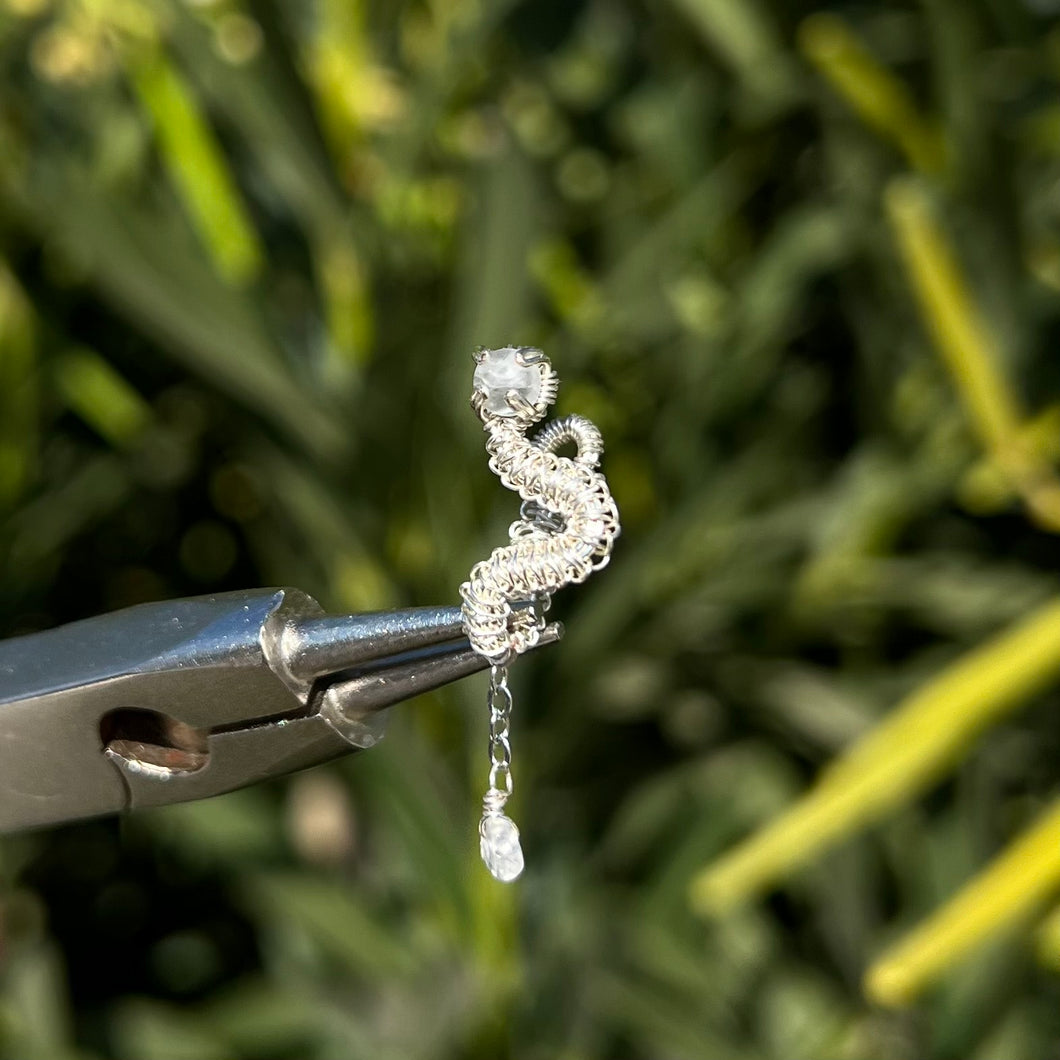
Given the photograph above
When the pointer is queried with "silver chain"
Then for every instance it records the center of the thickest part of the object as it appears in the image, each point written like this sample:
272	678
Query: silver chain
499	698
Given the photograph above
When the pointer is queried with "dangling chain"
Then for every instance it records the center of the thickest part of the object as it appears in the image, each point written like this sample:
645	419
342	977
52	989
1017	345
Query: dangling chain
567	527
499	699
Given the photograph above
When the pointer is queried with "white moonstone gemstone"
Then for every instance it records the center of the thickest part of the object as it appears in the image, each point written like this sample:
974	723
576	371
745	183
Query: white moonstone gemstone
498	372
499	845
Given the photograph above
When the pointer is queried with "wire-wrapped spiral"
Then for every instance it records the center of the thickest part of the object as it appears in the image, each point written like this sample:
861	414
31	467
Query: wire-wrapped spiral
568	527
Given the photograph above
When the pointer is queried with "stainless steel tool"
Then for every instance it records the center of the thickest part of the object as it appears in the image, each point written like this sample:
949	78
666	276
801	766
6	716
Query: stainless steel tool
185	699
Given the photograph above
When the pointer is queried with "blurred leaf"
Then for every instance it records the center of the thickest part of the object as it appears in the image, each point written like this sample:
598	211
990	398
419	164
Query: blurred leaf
874	92
742	32
233	829
334	919
895	760
968	350
197	167
18	389
151	1031
101	397
1007	891
40	1024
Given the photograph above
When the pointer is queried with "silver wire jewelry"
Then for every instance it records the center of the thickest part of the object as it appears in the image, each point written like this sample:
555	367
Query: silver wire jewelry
567	527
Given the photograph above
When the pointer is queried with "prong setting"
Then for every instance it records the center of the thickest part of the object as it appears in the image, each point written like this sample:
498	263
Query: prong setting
513	388
522	407
528	355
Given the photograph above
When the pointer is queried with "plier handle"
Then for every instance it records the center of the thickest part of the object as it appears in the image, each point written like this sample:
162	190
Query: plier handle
167	702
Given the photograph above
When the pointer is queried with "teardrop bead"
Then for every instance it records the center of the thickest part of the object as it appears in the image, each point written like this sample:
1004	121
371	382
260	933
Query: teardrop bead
500	847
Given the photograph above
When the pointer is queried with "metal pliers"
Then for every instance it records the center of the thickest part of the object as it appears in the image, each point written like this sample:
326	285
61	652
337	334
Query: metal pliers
185	699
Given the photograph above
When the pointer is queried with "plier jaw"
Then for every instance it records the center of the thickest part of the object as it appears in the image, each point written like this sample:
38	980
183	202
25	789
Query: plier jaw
185	699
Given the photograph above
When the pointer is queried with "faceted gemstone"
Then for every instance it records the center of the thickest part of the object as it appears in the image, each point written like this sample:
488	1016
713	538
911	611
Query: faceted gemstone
498	372
499	845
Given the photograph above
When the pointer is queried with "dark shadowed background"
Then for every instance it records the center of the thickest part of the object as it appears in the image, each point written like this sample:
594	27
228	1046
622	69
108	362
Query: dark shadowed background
801	263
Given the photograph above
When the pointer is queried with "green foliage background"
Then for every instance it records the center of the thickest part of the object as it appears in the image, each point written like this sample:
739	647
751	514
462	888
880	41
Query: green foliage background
245	251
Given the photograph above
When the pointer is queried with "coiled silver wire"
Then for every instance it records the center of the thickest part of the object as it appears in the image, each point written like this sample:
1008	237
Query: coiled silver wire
569	525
